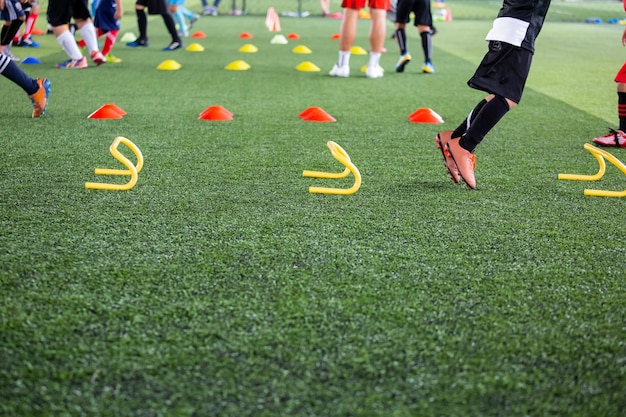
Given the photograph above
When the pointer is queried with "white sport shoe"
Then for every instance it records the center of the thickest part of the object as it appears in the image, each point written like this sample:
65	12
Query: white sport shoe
337	71
374	72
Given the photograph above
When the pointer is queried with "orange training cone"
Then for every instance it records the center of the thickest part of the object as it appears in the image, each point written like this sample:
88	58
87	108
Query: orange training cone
217	113
198	35
293	36
245	35
316	114
115	108
105	112
334	36
425	115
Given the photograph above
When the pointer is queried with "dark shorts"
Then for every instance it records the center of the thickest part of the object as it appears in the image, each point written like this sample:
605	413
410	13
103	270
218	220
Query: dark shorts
60	12
503	71
420	8
12	10
154	6
104	18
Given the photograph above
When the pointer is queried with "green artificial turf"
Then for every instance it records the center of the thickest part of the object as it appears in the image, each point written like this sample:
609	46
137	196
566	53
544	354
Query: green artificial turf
219	286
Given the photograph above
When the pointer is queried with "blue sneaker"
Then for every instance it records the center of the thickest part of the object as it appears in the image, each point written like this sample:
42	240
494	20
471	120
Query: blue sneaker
138	42
428	68
173	46
28	43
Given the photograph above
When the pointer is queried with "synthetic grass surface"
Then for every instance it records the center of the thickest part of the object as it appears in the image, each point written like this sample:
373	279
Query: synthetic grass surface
219	286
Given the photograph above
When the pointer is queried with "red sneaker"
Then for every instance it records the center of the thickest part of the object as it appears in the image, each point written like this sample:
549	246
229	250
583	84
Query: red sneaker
615	138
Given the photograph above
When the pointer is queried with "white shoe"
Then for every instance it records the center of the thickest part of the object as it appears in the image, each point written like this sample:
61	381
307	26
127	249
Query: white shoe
374	72
337	71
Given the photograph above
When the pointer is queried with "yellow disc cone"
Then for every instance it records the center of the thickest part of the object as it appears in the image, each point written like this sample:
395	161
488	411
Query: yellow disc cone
301	49
238	65
195	47
357	50
248	48
308	67
169	65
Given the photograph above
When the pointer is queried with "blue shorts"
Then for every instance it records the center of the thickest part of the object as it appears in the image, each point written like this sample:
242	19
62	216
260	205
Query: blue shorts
105	15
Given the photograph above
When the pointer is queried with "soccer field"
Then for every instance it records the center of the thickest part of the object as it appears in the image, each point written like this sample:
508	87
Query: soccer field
219	286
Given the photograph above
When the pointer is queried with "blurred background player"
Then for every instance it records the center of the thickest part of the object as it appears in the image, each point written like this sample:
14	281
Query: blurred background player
13	16
59	14
38	90
210	10
181	15
154	7
107	16
347	34
423	22
31	10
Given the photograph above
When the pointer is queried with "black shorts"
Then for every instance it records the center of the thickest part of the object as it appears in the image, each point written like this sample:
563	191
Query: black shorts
60	12
503	71
154	6
420	8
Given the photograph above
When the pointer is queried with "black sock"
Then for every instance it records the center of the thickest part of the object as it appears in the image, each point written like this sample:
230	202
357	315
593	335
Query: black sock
621	110
401	38
483	122
3	34
460	131
427	45
14	73
142	23
171	26
13	29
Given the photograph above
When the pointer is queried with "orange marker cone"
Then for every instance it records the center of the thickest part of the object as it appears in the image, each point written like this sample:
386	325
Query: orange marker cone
316	114
425	115
199	35
293	36
334	36
217	113
105	112
115	108
245	35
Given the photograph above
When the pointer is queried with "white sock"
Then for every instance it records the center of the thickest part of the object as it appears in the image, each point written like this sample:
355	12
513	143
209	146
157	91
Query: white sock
88	32
344	58
374	59
68	44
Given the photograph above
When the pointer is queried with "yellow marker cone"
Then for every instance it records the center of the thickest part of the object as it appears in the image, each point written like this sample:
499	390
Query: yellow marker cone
307	66
169	65
132	170
238	65
249	48
301	49
279	40
195	47
340	155
357	50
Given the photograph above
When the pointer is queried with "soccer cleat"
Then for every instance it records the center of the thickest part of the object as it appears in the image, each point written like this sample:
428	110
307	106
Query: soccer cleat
98	58
209	11
405	58
40	97
337	71
464	160
428	68
139	42
374	72
615	138
442	140
173	46
113	59
73	64
28	42
6	50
